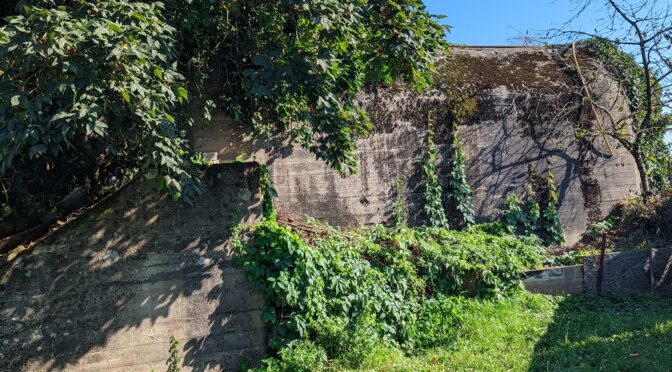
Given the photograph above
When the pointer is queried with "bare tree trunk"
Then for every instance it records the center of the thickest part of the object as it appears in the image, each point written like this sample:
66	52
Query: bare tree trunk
641	167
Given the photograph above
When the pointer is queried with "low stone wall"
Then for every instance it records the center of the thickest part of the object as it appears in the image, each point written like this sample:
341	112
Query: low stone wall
623	273
108	290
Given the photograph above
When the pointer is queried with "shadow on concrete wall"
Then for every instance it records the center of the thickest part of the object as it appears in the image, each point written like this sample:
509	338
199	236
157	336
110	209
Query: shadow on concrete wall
109	289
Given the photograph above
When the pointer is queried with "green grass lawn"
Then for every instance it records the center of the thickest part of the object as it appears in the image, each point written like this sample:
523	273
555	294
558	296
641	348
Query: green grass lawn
545	333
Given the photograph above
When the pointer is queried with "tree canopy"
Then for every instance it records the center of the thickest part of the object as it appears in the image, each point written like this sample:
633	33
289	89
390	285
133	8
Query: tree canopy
634	40
93	93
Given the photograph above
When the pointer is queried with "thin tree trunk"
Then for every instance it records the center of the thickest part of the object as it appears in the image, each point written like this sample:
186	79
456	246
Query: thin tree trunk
641	167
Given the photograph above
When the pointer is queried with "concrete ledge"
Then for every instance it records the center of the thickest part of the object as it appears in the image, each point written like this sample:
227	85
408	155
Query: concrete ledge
623	273
556	280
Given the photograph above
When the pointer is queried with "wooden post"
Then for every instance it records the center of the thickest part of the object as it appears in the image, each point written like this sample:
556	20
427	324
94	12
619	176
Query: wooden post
600	271
651	278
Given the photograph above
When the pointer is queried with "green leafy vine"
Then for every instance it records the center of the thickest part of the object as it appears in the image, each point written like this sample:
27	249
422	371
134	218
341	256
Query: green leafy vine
433	198
461	191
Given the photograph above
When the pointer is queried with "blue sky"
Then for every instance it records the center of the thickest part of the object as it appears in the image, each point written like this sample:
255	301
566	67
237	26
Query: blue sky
496	22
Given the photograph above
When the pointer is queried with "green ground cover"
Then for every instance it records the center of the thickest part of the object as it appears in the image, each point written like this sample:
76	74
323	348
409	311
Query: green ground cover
547	333
427	299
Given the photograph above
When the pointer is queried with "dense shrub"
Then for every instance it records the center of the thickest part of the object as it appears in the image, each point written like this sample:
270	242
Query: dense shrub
88	97
92	92
351	291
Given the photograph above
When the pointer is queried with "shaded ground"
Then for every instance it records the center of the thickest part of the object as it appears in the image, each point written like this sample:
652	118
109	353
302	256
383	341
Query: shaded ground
619	333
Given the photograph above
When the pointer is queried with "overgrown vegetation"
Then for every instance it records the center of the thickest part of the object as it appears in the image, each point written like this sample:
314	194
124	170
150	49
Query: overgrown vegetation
92	92
528	332
521	332
646	82
636	225
341	294
552	231
655	152
88	98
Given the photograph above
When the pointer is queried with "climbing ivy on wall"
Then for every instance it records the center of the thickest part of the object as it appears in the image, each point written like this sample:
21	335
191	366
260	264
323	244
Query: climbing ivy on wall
460	189
627	69
433	197
522	215
267	193
525	216
398	214
552	231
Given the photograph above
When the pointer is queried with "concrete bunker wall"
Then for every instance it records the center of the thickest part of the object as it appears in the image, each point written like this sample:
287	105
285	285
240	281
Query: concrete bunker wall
107	291
530	113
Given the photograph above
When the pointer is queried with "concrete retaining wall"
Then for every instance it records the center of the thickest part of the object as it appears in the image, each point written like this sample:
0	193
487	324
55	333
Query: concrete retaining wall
556	281
623	273
631	272
108	290
529	114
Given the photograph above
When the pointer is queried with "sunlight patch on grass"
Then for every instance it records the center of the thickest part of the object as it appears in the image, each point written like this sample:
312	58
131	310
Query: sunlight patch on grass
540	333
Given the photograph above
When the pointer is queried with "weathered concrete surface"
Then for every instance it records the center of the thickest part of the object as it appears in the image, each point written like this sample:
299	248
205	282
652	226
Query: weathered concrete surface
556	280
108	291
530	113
624	273
630	272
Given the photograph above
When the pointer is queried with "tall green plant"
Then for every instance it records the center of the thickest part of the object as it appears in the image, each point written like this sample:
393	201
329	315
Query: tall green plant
267	193
521	216
461	191
174	361
433	198
553	232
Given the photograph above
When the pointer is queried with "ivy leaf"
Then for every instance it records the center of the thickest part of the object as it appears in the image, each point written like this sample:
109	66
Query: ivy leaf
37	149
126	96
169	117
114	27
182	94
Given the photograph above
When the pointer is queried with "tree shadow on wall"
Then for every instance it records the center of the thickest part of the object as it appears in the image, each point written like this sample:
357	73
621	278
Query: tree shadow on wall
110	288
621	333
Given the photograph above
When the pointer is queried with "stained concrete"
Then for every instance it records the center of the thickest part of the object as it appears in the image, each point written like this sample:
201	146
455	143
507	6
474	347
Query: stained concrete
530	113
108	290
623	273
556	280
631	272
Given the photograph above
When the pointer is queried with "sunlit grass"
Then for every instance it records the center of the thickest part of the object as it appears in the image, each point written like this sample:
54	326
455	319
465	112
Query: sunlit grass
535	332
